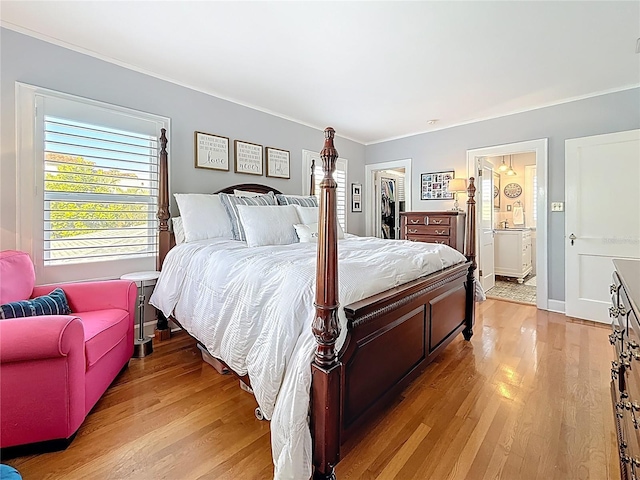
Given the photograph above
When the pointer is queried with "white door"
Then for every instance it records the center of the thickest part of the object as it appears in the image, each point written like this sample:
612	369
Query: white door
602	219
486	265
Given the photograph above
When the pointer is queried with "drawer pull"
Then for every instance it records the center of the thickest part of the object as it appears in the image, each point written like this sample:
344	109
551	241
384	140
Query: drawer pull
443	232
413	230
613	288
442	242
614	372
415	222
613	312
436	222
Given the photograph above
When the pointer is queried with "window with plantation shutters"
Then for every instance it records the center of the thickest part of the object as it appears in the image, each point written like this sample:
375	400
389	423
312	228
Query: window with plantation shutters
96	189
340	176
100	192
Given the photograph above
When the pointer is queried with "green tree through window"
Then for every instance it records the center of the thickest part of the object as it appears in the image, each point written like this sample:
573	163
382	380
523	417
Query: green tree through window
76	175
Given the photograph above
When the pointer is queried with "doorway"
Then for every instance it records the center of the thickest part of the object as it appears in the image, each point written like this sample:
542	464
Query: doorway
388	192
512	220
390	201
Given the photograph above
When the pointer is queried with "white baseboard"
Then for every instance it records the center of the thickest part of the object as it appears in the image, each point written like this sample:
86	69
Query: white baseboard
556	306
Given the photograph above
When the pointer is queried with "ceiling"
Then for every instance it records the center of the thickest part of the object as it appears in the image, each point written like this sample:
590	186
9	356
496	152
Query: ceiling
372	70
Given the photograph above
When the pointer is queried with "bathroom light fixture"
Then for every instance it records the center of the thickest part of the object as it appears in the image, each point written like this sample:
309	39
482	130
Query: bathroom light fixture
503	166
511	172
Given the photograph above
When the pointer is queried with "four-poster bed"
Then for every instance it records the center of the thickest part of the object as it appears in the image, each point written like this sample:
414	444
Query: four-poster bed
391	336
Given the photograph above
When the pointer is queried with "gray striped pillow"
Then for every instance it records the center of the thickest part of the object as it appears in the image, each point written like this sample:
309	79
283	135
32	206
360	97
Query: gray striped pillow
230	203
310	201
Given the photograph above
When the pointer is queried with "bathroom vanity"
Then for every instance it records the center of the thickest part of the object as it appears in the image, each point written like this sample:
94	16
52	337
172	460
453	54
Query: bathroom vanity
513	252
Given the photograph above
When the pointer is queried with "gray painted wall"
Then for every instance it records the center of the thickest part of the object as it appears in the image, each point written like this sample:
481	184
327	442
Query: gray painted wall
29	60
446	150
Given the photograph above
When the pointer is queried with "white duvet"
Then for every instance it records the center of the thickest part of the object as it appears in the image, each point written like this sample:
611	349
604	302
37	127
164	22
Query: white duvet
253	308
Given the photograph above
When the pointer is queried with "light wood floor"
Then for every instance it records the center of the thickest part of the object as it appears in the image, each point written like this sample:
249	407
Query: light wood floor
526	399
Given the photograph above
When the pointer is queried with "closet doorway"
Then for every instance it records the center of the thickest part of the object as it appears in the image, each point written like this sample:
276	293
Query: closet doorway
388	192
390	201
512	206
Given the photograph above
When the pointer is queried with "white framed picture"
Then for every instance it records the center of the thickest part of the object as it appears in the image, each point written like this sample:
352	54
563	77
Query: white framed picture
212	151
277	163
356	197
248	157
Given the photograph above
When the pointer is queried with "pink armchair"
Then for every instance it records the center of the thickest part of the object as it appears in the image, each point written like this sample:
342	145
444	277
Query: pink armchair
54	368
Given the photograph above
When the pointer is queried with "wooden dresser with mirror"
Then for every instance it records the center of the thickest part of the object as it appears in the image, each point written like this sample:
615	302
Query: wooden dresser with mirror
625	371
445	227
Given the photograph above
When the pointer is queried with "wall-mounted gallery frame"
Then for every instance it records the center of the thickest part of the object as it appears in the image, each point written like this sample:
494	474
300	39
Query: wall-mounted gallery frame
247	157
278	163
434	185
211	151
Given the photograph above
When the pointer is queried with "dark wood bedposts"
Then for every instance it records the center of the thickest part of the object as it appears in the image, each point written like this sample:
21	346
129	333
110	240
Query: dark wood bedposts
470	252
164	236
325	414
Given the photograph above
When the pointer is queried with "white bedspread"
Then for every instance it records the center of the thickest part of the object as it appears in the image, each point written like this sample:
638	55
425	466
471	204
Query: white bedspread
253	308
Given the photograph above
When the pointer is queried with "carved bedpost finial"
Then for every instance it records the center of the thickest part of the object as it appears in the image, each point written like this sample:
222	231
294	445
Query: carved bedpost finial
164	236
326	326
470	250
470	247
163	194
312	187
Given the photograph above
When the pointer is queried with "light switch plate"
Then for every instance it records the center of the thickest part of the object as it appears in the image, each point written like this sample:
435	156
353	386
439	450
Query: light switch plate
557	206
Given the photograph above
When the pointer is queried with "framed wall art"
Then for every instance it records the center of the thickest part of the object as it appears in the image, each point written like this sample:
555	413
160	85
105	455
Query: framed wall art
277	163
496	190
247	157
211	151
434	186
356	197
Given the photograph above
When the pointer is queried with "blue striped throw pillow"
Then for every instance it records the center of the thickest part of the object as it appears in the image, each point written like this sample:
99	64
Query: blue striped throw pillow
53	304
310	201
231	202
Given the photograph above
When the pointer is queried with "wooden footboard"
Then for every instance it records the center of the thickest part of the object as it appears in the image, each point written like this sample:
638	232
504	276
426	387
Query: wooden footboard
393	337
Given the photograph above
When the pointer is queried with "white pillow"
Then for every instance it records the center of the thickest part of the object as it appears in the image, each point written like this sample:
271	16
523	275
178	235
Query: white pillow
178	230
244	193
203	216
268	225
307	233
309	215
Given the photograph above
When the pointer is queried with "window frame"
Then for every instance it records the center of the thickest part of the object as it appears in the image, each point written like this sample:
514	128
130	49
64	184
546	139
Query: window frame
30	187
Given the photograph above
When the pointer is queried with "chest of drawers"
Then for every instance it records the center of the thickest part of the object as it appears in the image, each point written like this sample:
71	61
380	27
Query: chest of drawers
445	227
625	368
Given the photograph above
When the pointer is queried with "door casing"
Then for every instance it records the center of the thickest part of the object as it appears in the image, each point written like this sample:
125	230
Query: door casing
541	149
